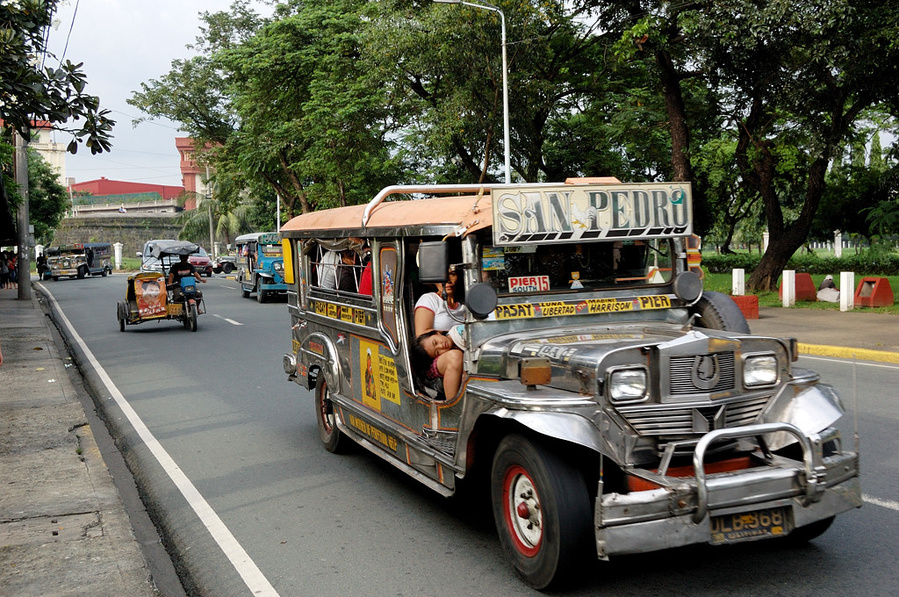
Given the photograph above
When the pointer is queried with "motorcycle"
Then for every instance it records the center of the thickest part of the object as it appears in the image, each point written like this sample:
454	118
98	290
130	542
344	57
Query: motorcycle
149	298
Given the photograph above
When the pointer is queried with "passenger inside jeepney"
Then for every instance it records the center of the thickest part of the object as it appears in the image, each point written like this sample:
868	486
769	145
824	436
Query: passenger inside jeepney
442	309
437	362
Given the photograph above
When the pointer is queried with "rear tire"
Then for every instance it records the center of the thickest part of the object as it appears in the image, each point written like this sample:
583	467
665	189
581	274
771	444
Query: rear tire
718	311
228	268
331	437
542	511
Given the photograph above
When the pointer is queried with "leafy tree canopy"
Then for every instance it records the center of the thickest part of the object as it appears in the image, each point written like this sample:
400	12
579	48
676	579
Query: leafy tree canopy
31	88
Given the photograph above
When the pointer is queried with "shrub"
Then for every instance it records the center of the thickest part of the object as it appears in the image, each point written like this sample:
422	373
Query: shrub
864	263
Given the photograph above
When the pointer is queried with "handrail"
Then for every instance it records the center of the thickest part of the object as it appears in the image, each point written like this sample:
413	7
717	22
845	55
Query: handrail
434	188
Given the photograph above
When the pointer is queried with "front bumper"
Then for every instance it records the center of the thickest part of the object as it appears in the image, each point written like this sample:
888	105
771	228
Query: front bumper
681	513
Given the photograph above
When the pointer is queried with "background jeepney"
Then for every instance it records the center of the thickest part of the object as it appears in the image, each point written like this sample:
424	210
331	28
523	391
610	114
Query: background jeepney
609	404
260	265
79	260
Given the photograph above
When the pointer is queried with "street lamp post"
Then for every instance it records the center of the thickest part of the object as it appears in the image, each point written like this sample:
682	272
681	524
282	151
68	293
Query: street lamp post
502	21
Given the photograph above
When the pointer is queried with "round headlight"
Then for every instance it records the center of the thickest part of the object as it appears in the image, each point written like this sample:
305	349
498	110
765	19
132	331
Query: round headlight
279	267
627	385
760	370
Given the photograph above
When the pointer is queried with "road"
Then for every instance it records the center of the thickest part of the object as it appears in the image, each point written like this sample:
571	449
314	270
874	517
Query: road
227	454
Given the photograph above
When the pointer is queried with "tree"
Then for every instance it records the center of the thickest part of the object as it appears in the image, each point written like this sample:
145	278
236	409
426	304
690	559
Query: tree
29	92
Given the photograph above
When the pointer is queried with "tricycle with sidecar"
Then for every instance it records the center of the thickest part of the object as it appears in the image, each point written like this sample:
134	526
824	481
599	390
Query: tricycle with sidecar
148	297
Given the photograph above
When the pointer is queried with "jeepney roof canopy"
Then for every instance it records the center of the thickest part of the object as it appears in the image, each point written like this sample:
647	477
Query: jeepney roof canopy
575	211
263	238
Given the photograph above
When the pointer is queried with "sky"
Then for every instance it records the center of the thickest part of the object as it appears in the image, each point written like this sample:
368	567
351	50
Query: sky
123	43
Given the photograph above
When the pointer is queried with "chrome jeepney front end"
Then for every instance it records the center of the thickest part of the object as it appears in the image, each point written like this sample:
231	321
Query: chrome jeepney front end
715	436
716	450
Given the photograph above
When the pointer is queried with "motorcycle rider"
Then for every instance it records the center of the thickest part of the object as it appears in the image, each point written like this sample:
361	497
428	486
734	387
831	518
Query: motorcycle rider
181	269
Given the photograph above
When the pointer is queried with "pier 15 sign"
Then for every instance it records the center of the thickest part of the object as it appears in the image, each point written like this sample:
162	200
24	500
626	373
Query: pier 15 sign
568	213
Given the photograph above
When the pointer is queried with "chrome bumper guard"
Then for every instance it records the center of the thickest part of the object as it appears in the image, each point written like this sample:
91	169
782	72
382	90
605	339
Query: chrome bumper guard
680	514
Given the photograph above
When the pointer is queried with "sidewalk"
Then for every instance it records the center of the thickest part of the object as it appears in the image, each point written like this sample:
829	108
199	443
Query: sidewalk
857	334
63	527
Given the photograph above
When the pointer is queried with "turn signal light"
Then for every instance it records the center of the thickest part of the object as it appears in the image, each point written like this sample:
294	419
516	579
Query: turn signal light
535	371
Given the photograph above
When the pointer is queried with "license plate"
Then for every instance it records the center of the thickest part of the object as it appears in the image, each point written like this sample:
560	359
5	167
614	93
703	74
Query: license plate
748	526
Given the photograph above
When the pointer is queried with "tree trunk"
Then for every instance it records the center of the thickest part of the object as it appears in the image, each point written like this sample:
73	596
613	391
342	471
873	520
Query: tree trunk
681	168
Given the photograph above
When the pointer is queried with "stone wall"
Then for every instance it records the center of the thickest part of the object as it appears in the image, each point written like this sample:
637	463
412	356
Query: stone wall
131	231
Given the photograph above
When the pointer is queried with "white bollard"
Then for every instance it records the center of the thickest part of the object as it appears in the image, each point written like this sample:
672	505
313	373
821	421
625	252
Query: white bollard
847	291
789	288
118	255
738	286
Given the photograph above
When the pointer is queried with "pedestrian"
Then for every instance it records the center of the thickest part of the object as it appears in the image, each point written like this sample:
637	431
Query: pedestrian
4	270
13	271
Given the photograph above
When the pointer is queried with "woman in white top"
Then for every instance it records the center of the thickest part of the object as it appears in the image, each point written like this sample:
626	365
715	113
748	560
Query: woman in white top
434	313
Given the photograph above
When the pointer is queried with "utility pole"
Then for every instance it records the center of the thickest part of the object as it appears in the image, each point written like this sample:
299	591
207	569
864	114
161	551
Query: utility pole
209	209
23	220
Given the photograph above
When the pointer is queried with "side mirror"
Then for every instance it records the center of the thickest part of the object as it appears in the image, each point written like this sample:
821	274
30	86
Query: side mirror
433	262
139	254
481	300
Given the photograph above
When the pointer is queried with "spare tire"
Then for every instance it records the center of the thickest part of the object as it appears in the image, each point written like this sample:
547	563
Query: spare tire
717	311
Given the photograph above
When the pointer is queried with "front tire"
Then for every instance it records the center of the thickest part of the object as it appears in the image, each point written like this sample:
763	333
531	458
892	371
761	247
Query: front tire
718	311
192	317
542	511
803	535
260	293
331	437
82	272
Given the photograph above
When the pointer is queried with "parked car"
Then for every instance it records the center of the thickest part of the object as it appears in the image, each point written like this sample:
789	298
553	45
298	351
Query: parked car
224	263
202	262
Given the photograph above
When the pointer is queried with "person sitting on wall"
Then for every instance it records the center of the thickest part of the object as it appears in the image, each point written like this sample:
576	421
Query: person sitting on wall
828	291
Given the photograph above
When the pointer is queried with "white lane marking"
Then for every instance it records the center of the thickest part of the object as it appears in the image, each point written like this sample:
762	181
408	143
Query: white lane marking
229	286
249	572
859	363
879	502
231	321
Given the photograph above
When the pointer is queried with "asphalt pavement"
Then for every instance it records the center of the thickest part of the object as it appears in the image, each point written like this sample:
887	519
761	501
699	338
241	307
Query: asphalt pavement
64	528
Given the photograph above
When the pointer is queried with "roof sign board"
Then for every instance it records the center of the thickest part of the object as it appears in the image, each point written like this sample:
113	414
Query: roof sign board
565	213
269	238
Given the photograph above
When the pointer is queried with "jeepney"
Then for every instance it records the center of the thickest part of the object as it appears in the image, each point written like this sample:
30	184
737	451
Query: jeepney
611	406
260	265
79	260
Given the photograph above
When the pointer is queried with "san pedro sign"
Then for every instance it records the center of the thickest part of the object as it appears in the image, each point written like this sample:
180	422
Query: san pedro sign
566	213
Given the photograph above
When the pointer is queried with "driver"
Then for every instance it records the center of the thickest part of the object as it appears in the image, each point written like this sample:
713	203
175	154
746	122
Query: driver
181	269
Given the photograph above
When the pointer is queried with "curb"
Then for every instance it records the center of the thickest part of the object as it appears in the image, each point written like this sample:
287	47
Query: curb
863	354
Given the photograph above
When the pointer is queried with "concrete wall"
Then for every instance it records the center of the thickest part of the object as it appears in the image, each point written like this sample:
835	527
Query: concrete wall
131	231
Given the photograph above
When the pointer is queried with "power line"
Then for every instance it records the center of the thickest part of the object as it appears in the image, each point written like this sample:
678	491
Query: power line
69	35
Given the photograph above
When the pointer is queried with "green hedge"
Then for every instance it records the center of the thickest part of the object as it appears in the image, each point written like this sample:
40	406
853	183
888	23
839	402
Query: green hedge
867	263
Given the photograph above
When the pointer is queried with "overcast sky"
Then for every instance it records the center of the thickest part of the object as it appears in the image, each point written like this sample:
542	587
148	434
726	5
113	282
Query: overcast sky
123	43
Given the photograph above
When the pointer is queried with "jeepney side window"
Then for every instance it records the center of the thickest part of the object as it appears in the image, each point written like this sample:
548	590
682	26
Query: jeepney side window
386	280
336	270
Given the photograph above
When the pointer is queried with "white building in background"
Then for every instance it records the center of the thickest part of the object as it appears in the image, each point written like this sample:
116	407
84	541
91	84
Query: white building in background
54	153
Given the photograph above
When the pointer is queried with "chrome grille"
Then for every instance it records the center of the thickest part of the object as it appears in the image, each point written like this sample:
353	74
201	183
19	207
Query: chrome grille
656	420
681	380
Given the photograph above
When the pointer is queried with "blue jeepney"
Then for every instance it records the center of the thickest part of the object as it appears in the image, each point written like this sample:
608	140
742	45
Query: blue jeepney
260	265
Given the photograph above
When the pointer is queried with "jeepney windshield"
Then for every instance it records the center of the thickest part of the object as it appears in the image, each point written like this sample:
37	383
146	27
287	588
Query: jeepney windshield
577	267
270	250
